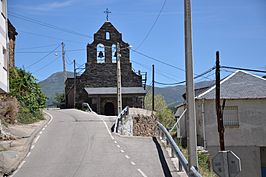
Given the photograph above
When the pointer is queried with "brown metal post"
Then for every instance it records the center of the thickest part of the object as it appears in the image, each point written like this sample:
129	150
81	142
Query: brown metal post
218	105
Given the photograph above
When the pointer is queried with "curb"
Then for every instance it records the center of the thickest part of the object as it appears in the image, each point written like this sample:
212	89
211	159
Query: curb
28	145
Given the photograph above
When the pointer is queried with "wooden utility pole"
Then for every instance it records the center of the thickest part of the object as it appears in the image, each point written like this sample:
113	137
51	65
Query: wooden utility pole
152	87
192	133
218	104
75	84
119	85
64	61
64	67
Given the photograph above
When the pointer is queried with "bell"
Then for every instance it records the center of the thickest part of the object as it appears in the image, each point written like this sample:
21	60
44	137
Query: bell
100	55
115	55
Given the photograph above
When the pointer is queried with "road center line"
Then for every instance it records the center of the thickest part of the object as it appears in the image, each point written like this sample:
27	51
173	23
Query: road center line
118	146
122	151
127	156
133	163
115	142
142	173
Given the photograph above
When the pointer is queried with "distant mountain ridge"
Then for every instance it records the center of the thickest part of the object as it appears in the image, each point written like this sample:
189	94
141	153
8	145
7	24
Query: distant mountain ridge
172	94
54	84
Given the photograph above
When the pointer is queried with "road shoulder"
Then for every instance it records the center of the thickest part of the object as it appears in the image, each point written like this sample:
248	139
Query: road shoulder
13	152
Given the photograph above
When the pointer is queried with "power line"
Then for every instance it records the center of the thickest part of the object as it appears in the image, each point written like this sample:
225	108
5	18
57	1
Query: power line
36	47
43	57
182	82
46	36
153	25
157	71
47	64
152	58
22	17
244	69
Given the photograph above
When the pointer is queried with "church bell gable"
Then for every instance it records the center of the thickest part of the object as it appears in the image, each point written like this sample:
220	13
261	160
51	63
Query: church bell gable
103	48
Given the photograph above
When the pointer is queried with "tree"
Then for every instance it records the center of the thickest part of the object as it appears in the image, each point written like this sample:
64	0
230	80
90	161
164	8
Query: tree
159	102
24	87
163	113
59	98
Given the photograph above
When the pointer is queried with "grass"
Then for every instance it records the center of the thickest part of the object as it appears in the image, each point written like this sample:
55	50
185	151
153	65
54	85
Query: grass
26	117
203	160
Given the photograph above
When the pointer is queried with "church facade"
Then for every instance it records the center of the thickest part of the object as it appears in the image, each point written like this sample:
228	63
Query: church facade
97	85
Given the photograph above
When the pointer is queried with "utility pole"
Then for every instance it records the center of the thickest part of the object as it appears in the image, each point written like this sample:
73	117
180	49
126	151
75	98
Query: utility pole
119	85
218	104
64	67
75	84
192	134
152	87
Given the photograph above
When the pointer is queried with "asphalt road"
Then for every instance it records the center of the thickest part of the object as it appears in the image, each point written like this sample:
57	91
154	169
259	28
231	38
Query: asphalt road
79	144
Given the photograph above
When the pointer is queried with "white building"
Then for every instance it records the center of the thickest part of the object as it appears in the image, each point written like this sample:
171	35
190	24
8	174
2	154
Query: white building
244	118
4	86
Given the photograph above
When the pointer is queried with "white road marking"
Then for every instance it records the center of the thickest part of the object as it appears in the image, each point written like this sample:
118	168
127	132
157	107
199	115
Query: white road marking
51	117
36	139
133	163
127	156
21	164
43	129
118	146
108	129
142	173
28	154
122	151
115	142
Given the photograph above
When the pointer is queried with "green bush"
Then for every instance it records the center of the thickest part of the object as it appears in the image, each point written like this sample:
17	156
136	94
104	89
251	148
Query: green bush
24	87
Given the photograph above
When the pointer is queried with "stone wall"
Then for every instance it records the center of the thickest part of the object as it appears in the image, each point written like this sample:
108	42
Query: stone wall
104	75
8	108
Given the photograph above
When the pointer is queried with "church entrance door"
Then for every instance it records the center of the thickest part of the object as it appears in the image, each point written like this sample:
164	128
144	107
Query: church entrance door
109	109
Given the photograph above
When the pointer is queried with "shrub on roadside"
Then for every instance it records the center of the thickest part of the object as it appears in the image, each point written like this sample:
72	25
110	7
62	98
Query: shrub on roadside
24	86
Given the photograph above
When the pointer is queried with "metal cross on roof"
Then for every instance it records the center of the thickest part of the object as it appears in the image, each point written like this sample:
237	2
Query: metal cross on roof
107	12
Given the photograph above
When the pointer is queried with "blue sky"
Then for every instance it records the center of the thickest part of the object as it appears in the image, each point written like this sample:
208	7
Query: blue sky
236	28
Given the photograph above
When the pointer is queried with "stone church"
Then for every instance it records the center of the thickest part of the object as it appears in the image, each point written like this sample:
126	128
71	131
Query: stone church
97	85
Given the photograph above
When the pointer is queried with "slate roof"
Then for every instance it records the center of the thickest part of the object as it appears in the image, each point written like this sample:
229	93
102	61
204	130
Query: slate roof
113	90
239	85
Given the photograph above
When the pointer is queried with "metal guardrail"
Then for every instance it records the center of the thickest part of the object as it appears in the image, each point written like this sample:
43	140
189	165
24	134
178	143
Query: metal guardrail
119	118
183	163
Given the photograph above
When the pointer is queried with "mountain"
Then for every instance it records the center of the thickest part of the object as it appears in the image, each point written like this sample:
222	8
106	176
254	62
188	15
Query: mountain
54	84
172	94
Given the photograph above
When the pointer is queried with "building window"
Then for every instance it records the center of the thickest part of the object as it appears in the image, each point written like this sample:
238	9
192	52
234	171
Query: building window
100	53
114	54
107	35
230	116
